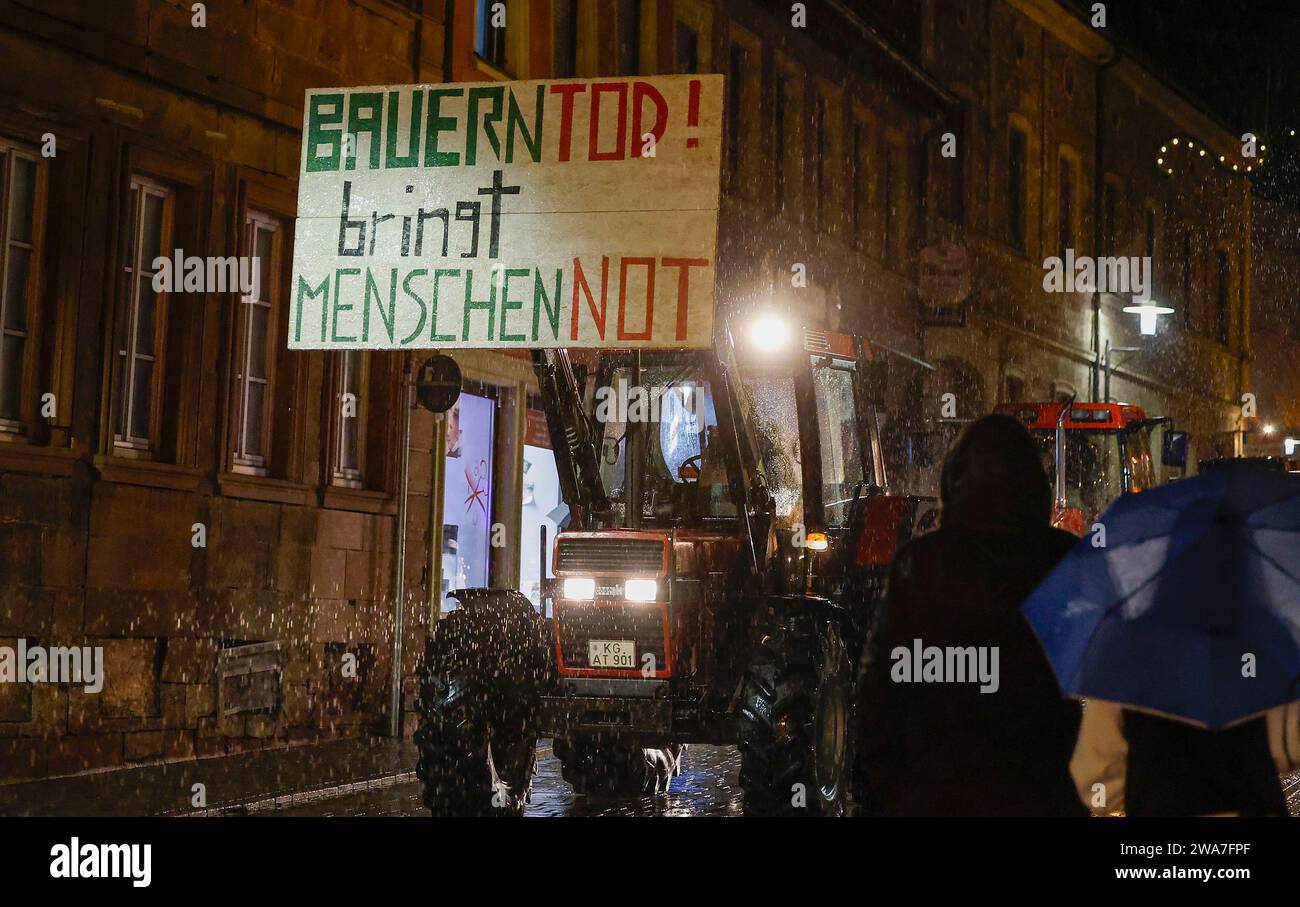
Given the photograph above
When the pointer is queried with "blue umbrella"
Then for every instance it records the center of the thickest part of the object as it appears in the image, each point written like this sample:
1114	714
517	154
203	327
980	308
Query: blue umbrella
1191	609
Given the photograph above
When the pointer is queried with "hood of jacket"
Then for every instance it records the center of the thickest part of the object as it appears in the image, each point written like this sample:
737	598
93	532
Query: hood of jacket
993	478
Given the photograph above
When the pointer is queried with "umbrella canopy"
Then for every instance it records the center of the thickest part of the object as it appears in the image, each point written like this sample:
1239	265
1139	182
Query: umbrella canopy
1192	607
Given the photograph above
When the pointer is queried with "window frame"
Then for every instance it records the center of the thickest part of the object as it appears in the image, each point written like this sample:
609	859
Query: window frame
859	179
124	361
562	67
1068	205
12	429
1223	292
1017	232
241	461
354	476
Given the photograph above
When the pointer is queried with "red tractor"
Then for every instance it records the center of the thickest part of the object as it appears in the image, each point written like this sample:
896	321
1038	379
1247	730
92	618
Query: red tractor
728	546
1094	452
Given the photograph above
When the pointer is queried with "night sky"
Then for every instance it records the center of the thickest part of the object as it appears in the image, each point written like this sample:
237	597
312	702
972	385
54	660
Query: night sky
1239	58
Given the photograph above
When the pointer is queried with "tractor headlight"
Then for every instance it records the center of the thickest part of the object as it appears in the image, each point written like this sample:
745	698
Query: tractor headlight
640	590
581	588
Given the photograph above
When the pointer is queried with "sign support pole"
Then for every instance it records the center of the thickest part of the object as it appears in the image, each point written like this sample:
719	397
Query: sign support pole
399	559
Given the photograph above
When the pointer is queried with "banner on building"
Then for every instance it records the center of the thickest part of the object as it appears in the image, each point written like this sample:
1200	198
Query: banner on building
559	213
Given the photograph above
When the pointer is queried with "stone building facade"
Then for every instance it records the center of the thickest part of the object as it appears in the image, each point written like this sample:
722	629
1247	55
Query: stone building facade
209	497
1118	164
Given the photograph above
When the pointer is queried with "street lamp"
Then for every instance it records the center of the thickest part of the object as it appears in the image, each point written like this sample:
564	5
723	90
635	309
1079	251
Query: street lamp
1108	360
1147	310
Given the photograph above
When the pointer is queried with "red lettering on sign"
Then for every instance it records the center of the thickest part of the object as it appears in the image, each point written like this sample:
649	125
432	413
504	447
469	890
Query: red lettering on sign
649	265
683	287
566	93
580	282
620	148
640	92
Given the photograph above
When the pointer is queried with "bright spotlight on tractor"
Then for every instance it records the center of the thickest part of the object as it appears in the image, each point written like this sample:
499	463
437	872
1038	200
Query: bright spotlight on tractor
769	333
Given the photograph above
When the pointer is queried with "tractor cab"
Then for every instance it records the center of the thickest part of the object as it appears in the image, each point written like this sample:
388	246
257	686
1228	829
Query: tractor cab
719	474
1095	452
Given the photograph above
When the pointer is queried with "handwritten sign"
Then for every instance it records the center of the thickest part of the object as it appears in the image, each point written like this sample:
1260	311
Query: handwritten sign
564	213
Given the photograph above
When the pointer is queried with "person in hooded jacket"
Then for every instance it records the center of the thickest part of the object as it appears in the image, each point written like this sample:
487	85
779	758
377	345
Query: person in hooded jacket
946	748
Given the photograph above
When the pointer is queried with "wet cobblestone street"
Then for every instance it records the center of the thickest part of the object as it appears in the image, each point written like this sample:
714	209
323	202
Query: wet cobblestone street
707	786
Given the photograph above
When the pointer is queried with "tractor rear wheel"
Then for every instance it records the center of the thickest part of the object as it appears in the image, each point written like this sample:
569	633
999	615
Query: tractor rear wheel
796	719
485	668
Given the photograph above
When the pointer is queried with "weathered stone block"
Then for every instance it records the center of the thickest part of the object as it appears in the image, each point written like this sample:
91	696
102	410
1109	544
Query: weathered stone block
200	702
20	555
328	572
142	745
262	726
84	752
178	744
189	660
130	678
339	528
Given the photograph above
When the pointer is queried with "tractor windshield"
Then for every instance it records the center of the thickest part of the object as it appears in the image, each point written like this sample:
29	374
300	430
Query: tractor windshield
660	441
1094	473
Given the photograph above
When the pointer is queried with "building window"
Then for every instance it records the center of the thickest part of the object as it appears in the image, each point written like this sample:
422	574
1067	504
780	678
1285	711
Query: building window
686	49
565	37
779	137
141	318
859	188
18	264
1017	160
1149	244
735	86
1014	388
1222	297
920	207
1063	392
1109	214
895	206
820	150
949	174
629	37
489	40
257	333
347	450
1065	204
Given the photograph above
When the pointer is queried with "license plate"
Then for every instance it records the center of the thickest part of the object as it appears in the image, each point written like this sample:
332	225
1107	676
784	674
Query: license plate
611	653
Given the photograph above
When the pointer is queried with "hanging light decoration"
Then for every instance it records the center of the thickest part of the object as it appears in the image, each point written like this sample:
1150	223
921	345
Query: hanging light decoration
1167	161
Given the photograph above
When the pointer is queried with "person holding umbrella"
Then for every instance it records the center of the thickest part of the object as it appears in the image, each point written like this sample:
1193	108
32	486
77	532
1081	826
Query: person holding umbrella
1179	622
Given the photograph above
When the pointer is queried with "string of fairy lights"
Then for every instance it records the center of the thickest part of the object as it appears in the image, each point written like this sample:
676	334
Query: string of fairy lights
1194	149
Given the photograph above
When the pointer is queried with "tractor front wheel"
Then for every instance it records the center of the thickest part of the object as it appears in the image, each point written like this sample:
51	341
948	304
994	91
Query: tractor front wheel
485	668
796	719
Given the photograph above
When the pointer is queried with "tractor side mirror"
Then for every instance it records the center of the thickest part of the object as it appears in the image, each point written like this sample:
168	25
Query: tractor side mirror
1173	451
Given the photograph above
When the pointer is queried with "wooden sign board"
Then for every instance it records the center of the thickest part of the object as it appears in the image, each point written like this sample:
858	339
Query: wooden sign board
558	213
